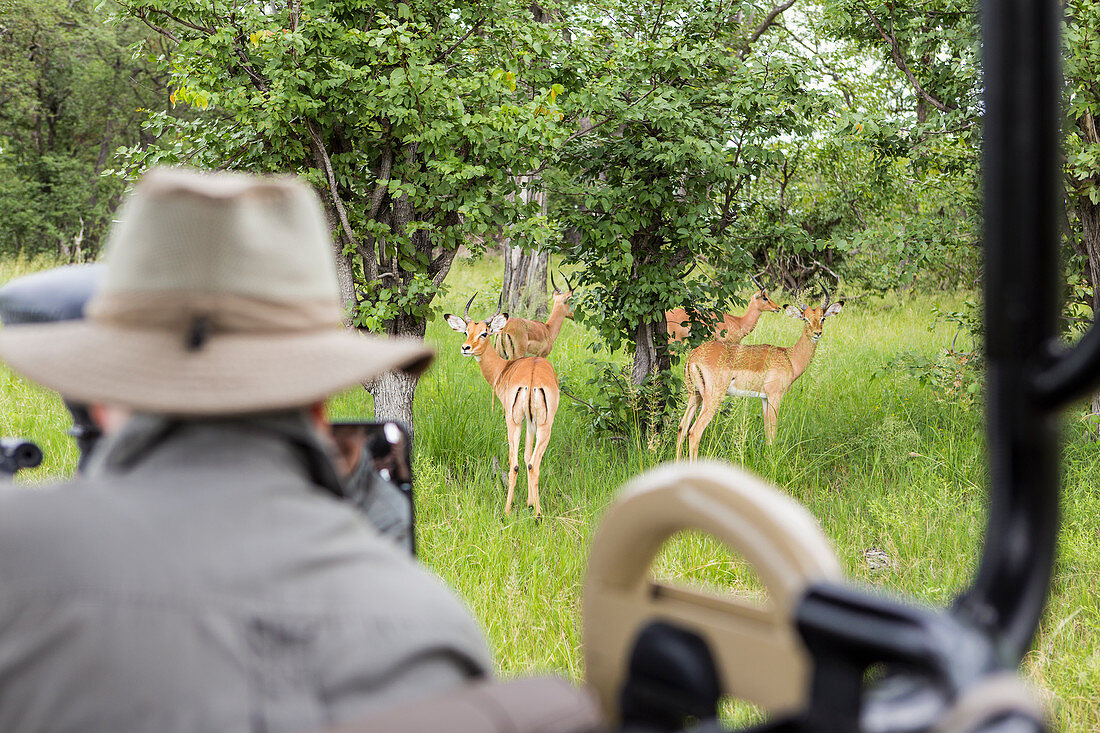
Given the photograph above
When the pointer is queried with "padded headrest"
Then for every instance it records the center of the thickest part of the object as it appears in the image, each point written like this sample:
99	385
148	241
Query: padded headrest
54	295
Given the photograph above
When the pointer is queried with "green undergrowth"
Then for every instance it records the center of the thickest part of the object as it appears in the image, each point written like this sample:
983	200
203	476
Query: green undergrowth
893	471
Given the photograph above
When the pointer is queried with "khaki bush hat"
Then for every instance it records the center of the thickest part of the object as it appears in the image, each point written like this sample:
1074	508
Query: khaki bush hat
219	297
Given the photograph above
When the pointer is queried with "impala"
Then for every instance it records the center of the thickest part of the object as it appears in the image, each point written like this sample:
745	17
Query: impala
718	368
730	327
528	391
522	337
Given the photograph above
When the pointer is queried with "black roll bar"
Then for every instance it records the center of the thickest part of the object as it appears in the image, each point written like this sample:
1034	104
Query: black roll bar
1028	381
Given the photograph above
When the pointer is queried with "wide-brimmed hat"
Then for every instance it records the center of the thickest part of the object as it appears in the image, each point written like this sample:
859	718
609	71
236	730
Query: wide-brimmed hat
219	297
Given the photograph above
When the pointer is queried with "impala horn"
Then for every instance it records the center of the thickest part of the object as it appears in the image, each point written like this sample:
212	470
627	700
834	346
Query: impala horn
466	313
567	283
825	301
553	282
757	282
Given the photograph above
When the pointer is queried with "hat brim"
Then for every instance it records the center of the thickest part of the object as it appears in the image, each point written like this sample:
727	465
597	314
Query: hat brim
153	371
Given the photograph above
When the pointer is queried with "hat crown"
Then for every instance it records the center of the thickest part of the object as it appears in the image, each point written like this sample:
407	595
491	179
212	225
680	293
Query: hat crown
195	235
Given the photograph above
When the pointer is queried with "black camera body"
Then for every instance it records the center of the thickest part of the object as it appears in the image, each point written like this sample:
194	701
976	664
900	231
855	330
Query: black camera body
17	454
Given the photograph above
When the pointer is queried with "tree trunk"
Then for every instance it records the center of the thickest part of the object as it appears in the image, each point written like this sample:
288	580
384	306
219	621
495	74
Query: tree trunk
523	290
344	274
393	397
650	351
347	284
651	361
1088	214
524	286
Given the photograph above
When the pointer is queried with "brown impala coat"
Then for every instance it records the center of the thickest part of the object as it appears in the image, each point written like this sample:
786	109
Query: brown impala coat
522	337
730	328
528	391
718	368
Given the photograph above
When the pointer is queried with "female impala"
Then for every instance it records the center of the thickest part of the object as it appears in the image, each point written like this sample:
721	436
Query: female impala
522	337
730	327
717	368
528	391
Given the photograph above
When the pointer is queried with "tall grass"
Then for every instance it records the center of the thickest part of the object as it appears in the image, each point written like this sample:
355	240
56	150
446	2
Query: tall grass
881	460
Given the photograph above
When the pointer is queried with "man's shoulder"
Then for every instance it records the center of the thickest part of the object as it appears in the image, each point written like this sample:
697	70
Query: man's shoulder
20	504
33	514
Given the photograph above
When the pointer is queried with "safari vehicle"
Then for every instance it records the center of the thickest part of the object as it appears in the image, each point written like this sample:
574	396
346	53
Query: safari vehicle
823	655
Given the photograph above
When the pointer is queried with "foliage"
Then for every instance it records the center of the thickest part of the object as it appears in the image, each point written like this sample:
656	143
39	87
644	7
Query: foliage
909	132
622	410
1081	69
411	119
957	373
679	110
72	88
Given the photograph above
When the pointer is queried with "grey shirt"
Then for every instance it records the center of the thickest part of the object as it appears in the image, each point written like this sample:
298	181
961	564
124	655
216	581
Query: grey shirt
201	580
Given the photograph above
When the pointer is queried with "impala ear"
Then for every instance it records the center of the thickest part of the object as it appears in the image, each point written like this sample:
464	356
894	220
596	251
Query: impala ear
833	309
455	322
793	312
497	324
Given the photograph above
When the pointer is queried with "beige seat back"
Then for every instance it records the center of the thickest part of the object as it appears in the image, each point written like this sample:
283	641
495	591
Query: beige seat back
532	705
757	652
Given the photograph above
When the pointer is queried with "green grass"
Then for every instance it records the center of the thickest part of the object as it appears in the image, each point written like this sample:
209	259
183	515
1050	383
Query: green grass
883	462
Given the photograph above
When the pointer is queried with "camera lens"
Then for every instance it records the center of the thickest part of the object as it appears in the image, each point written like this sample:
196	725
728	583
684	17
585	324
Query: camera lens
27	455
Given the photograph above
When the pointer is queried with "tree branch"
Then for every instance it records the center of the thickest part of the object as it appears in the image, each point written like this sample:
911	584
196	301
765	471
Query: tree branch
143	16
459	42
899	61
761	29
321	154
184	23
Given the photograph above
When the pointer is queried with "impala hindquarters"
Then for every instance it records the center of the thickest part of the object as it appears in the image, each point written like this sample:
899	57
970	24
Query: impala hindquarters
531	396
528	391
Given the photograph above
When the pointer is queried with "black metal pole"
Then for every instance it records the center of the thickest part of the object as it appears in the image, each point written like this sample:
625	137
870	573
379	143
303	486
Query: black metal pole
1022	197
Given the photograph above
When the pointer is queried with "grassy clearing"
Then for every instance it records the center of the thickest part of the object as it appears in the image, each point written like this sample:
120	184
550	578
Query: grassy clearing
883	462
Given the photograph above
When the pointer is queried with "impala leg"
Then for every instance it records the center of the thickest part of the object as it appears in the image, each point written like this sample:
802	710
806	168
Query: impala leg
685	421
528	445
771	415
542	440
710	407
513	462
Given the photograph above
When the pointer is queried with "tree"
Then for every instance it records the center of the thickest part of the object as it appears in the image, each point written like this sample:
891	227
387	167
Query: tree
919	117
682	106
1082	74
526	264
413	120
71	91
934	45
